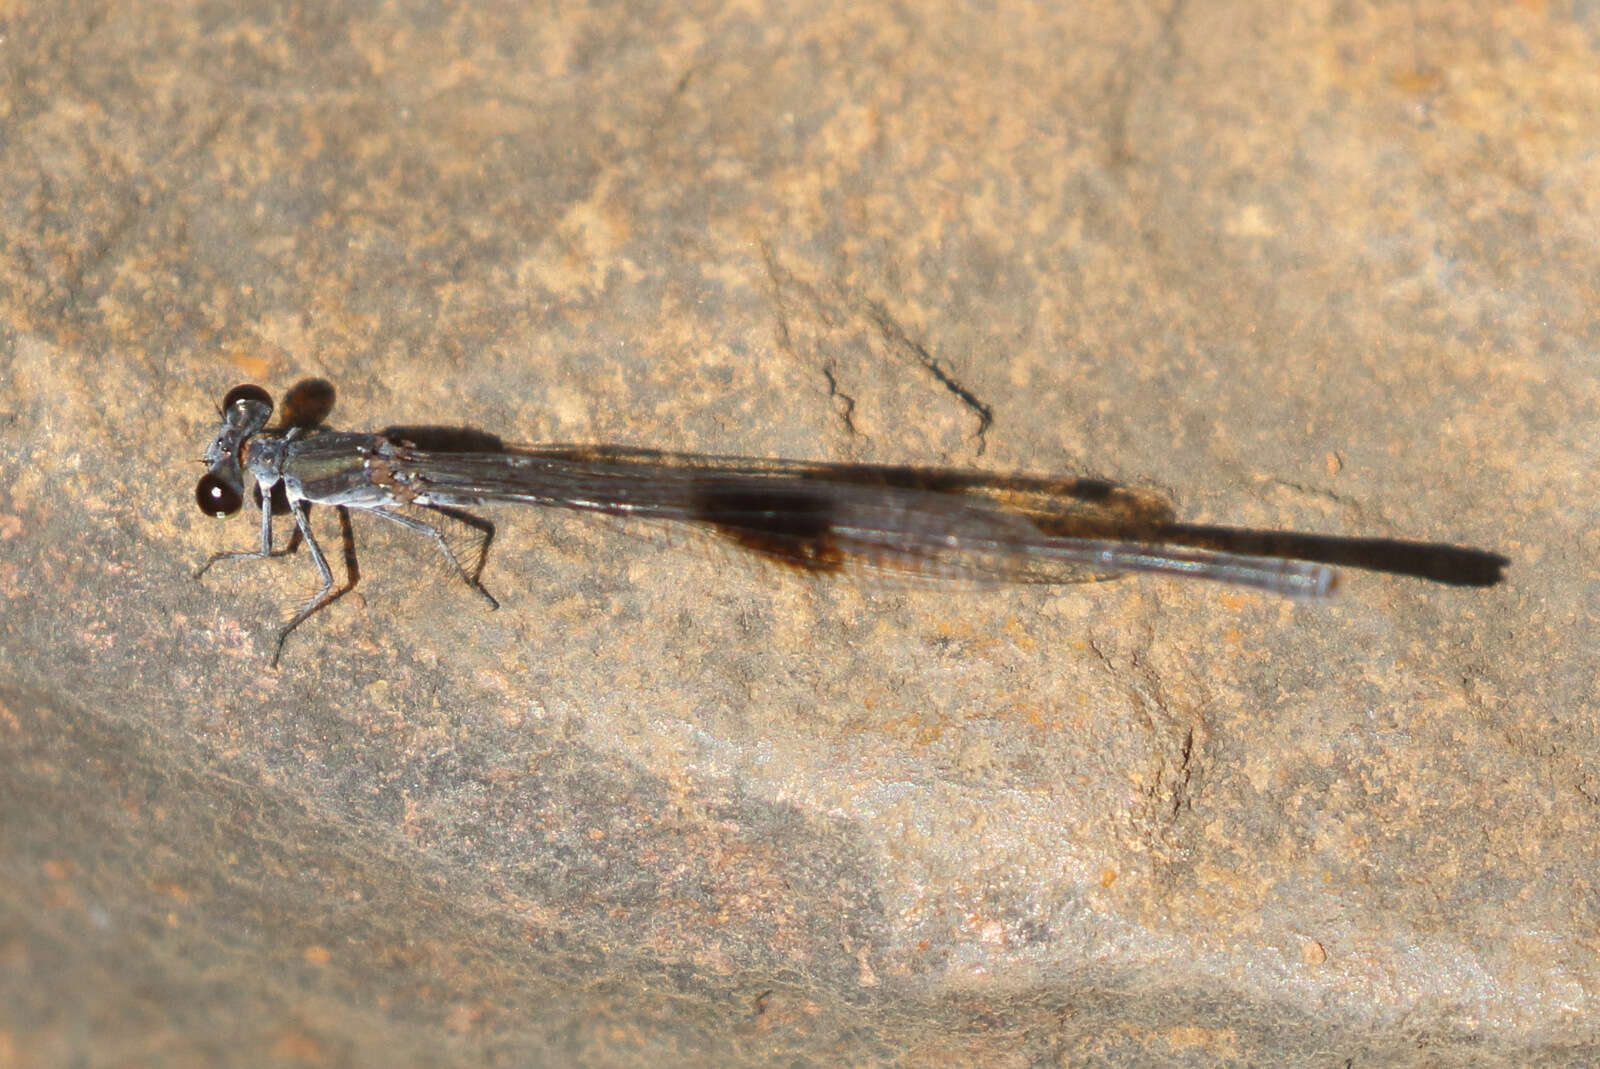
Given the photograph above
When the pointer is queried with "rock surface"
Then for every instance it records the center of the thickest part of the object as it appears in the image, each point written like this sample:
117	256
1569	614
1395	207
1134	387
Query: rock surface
1331	269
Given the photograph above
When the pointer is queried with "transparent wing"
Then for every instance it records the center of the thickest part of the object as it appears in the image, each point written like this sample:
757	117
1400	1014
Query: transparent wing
824	518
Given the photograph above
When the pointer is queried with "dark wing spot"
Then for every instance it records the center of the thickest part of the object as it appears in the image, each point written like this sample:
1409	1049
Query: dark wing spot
791	525
1093	489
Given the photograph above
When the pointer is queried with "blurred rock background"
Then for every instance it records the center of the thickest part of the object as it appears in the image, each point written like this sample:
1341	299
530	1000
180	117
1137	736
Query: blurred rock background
1328	268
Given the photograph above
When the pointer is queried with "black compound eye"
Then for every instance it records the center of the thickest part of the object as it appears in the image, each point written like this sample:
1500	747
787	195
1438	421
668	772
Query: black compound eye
216	497
246	392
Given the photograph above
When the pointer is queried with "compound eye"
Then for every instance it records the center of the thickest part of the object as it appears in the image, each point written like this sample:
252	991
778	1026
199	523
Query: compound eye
217	497
246	392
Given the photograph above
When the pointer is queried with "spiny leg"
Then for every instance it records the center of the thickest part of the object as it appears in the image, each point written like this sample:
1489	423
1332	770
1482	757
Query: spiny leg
483	527
263	553
302	519
478	522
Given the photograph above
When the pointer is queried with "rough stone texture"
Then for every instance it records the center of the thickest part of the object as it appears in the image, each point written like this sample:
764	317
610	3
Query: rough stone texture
1331	268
